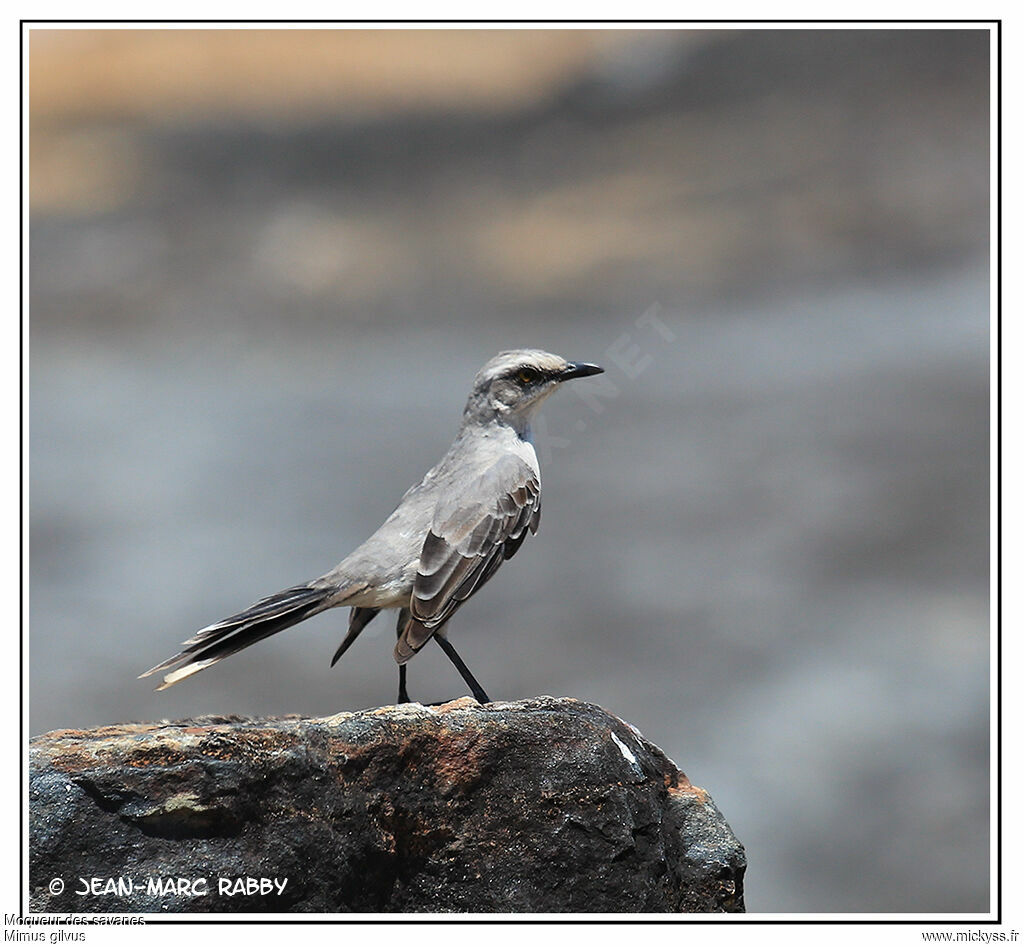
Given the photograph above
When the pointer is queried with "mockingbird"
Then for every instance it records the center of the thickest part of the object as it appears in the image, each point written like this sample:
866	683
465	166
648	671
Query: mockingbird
448	536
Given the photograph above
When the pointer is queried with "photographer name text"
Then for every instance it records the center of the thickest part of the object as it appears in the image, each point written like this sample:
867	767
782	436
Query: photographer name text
125	887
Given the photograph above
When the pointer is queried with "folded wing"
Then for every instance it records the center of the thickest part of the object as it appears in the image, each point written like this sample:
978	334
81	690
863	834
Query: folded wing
471	535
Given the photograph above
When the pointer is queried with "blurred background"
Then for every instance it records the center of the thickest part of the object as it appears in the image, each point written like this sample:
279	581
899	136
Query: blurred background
265	266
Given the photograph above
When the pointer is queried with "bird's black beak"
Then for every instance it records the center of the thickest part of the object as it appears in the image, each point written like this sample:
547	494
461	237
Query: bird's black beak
580	370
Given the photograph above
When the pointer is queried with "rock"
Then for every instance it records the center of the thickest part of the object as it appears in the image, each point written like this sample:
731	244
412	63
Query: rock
541	805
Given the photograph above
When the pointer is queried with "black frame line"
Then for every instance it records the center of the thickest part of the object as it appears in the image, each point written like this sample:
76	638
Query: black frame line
996	209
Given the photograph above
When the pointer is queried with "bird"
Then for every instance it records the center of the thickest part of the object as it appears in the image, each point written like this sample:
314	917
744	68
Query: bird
446	538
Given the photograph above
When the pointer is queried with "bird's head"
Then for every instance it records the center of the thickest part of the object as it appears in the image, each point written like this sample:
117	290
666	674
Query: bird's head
512	385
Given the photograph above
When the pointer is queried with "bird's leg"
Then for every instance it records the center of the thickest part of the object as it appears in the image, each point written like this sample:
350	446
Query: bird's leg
403	695
467	675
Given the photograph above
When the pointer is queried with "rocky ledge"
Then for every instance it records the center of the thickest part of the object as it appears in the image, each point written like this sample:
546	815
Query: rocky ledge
543	805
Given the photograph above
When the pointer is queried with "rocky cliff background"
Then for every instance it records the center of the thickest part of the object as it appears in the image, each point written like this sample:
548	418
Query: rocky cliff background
539	806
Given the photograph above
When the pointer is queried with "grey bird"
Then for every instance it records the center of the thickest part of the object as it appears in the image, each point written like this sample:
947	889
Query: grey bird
447	537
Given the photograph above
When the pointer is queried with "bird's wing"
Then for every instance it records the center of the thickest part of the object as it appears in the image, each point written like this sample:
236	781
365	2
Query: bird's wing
471	535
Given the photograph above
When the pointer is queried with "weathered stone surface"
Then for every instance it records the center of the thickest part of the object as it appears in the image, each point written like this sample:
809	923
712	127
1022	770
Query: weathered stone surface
541	805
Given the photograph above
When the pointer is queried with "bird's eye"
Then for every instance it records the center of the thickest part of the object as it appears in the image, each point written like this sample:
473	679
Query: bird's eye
528	376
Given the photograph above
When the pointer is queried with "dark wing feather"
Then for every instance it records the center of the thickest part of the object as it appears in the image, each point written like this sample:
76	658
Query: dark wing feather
359	618
470	537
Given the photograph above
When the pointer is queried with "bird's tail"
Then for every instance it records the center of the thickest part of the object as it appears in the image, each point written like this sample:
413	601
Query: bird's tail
261	620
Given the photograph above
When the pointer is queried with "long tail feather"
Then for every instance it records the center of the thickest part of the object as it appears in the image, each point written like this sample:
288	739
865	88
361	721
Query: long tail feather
223	638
